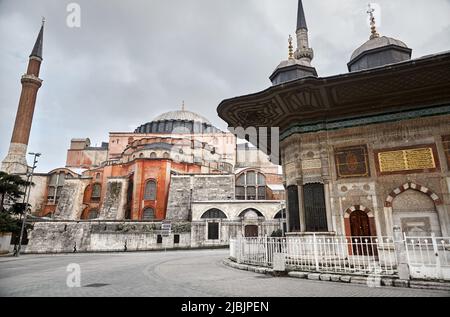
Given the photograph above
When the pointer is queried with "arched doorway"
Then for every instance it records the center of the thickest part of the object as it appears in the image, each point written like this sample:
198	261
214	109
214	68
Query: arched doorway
359	224
251	231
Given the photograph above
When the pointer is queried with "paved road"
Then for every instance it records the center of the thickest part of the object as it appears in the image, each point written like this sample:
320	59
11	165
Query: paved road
180	273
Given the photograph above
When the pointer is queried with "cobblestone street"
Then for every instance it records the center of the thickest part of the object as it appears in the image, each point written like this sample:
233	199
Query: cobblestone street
179	273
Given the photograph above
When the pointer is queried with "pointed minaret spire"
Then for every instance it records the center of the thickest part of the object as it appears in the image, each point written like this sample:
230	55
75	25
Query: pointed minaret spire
303	53
37	49
15	161
298	64
301	20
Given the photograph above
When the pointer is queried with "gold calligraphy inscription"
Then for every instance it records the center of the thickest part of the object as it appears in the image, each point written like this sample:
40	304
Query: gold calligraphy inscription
406	160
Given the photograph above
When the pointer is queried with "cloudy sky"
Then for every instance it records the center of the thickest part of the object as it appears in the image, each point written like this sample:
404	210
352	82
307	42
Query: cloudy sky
132	60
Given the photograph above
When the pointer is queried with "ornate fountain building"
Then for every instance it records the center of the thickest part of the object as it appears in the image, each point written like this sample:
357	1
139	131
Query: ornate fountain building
364	151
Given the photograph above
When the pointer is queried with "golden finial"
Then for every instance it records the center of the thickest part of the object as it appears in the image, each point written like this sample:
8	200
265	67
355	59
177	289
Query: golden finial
373	25
182	106
291	48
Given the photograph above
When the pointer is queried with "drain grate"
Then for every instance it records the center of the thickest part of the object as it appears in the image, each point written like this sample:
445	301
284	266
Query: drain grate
96	285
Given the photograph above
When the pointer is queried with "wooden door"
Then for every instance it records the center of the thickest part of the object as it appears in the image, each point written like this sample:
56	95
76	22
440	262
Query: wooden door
251	231
359	223
363	243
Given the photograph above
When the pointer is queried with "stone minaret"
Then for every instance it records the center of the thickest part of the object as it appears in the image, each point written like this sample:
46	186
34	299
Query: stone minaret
15	161
298	64
303	53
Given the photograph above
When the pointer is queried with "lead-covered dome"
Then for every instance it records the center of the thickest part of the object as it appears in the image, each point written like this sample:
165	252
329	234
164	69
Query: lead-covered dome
178	122
379	51
182	115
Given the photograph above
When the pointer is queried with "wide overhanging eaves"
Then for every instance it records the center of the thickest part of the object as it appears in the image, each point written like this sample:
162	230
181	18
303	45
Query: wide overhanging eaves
404	86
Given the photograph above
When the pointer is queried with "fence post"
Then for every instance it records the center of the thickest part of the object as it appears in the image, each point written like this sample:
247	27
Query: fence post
316	253
436	254
239	250
266	240
400	254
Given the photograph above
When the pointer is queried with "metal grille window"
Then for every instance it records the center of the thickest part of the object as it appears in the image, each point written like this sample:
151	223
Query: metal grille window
93	214
56	184
315	209
251	185
240	193
293	206
213	231
150	190
214	214
96	192
148	214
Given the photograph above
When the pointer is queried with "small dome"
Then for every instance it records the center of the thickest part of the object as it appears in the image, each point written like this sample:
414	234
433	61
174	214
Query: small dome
292	69
378	52
181	115
377	43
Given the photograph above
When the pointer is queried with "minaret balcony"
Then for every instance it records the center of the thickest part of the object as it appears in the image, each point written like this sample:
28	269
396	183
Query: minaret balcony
31	79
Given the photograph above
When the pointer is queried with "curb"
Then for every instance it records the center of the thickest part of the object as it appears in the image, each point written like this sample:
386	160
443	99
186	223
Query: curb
360	280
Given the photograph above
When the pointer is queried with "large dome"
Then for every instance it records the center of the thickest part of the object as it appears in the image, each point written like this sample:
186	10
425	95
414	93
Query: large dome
176	122
181	115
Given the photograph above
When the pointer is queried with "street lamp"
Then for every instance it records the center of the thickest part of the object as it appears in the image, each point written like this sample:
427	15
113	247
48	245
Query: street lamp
27	195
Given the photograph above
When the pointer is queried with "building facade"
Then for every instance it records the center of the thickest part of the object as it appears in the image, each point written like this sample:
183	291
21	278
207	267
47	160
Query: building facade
361	152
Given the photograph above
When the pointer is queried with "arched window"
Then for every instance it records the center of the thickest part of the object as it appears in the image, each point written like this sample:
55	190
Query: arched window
55	186
281	214
251	185
150	190
93	214
251	213
153	155
166	155
148	214
97	176
96	192
214	214
141	155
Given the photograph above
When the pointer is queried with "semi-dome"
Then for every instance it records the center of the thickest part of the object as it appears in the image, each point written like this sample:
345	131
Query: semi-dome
176	122
379	51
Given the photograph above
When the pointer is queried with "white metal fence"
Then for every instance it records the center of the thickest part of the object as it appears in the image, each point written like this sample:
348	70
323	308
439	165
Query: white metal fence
427	257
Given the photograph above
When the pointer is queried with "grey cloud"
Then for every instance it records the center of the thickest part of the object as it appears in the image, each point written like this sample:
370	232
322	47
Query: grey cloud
132	60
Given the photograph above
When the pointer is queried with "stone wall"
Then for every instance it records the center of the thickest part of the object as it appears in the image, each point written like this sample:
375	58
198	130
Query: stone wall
67	237
203	187
115	201
228	230
38	193
5	242
70	205
179	198
233	209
